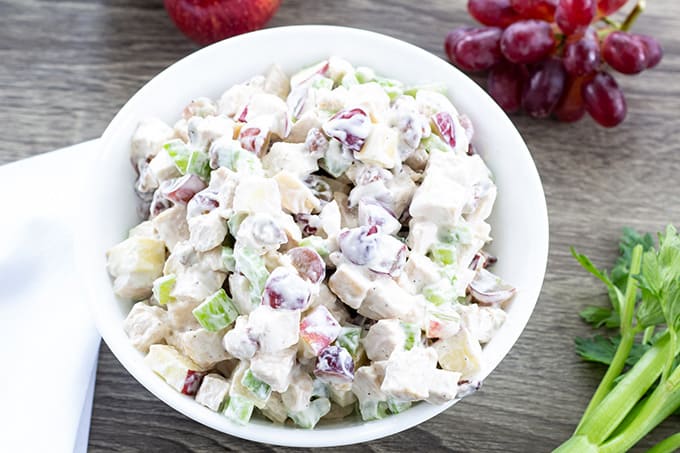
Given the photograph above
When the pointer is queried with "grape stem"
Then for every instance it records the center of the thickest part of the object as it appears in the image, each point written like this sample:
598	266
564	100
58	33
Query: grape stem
633	15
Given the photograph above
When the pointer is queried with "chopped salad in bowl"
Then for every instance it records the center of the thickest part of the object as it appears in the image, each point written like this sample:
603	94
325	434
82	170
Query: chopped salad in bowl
313	249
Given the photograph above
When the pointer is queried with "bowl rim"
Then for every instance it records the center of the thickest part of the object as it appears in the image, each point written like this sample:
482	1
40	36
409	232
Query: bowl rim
286	435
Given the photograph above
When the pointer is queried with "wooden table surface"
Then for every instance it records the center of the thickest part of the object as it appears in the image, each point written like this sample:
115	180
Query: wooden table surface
67	67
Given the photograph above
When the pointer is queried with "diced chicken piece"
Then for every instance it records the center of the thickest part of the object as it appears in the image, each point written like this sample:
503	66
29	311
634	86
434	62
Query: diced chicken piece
223	183
207	231
342	394
422	234
443	386
196	283
163	167
201	106
203	131
276	82
275	410
366	387
146	325
213	391
380	147
180	130
180	316
386	299
294	158
268	110
402	189
428	202
419	272
240	290
331	219
274	368
135	263
237	341
149	138
338	68
326	298
257	194
482	322
418	159
461	352
172	226
383	338
298	132
407	373
430	102
296	197
236	97
203	347
296	398
351	284
274	329
318	329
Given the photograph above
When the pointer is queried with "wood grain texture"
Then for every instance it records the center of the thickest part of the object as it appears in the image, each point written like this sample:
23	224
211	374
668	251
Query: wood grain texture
68	66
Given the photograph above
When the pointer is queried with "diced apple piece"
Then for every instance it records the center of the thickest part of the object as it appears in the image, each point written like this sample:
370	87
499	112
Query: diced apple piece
296	197
256	194
286	290
180	372
461	352
307	73
380	147
135	263
318	330
442	322
146	325
482	322
213	391
309	417
216	312
276	82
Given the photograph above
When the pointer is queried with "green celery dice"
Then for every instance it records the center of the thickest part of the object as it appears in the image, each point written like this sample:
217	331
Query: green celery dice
349	80
438	87
393	88
199	165
439	293
317	243
322	82
239	409
228	261
216	312
180	153
320	389
373	410
336	161
349	338
260	390
396	406
162	287
251	265
234	222
309	417
443	254
412	334
364	74
433	142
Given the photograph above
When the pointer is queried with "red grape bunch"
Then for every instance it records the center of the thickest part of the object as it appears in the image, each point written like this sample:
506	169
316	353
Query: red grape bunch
550	57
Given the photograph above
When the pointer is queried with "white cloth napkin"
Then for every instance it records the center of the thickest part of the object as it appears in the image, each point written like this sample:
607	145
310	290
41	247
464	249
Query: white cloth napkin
49	344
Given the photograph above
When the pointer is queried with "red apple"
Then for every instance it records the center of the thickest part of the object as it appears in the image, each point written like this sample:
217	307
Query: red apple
209	21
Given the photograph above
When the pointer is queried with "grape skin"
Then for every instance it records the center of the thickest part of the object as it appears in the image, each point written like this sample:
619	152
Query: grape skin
495	13
583	56
573	16
527	41
604	100
505	84
474	49
544	88
624	53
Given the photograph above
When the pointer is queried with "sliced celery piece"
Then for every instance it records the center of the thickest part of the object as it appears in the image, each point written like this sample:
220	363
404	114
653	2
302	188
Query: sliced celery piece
412	333
320	389
433	142
396	406
251	265
216	312
373	410
317	243
162	287
336	161
438	87
444	254
199	165
439	293
364	74
393	88
309	417
349	338
239	409
234	222
349	80
323	82
228	260
260	390
180	153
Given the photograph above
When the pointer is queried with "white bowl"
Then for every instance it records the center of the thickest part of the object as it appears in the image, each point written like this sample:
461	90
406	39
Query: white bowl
519	221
